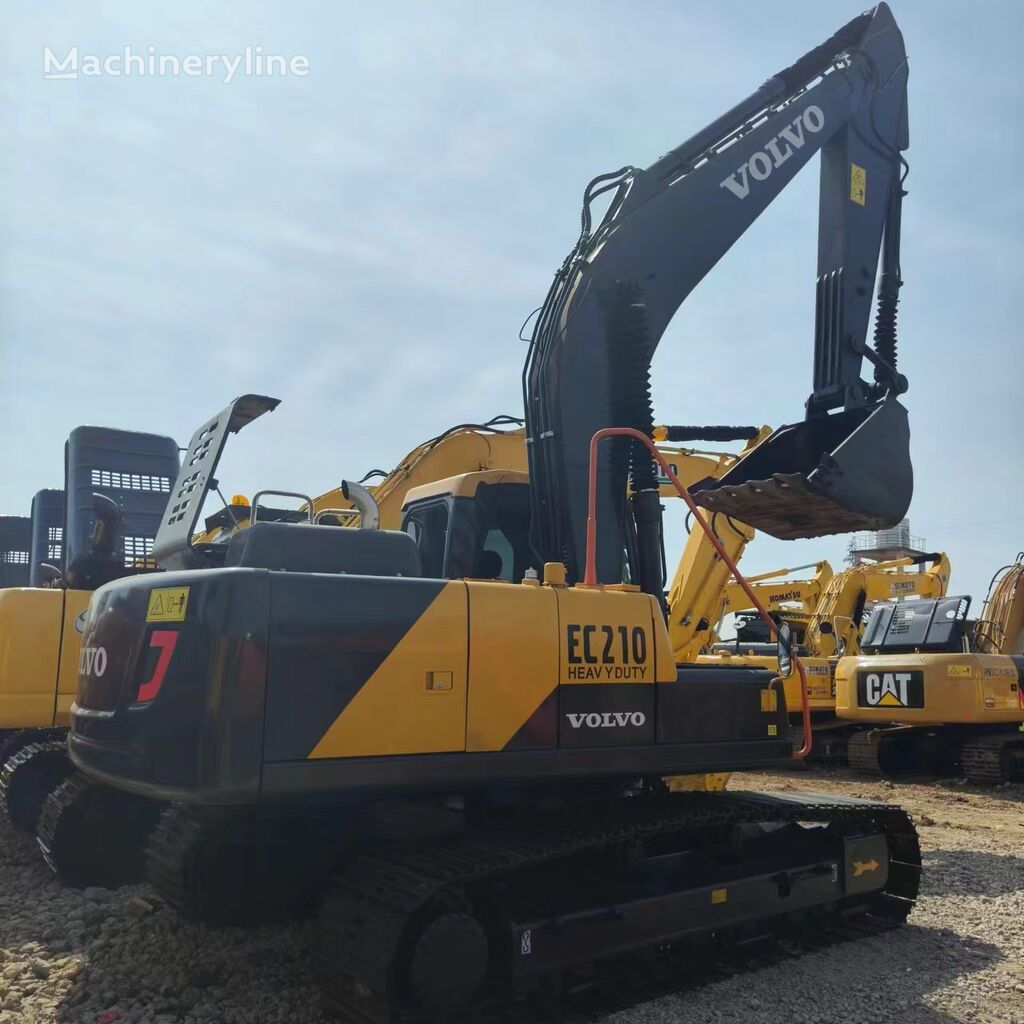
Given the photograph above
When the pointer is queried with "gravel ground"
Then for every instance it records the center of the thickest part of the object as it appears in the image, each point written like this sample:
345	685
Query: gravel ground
96	957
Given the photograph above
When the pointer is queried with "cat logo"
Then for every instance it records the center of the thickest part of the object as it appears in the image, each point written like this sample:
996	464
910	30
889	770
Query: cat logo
890	689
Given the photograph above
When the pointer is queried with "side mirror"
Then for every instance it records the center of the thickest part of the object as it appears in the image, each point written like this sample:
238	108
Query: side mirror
784	648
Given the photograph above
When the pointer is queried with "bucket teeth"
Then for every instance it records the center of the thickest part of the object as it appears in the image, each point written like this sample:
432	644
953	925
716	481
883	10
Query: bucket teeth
831	474
784	506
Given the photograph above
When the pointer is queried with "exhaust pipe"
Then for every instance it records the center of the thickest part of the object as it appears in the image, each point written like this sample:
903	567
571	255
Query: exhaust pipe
369	512
830	474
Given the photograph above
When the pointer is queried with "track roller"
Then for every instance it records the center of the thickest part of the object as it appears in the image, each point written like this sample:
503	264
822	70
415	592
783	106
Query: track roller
28	777
203	862
93	835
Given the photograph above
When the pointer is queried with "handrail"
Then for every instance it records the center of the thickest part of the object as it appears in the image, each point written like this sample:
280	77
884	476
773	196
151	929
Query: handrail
590	572
280	494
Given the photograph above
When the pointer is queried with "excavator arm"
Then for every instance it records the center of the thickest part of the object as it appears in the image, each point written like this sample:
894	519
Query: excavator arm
664	228
1000	630
839	617
777	591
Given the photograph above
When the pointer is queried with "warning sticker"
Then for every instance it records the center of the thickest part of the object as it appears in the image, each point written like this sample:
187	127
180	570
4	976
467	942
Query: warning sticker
167	604
958	670
858	184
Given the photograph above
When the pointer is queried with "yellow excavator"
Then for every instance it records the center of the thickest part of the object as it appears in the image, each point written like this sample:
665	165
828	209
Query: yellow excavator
492	454
778	592
321	693
99	528
834	629
942	693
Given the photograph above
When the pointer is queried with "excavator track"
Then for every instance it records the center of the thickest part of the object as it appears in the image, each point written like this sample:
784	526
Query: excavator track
13	741
863	751
93	835
28	777
200	862
394	915
994	758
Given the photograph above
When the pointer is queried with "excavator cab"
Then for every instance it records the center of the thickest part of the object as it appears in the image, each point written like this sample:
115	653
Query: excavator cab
472	526
829	474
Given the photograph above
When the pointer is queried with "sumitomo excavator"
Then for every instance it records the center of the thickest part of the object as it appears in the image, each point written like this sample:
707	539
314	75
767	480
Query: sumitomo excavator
478	764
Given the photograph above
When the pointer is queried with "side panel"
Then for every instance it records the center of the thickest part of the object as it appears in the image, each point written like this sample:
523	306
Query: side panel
75	604
392	659
30	624
607	669
513	667
957	688
174	706
820	677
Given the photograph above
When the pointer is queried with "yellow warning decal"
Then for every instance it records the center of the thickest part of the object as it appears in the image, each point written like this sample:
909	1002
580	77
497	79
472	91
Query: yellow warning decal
769	701
167	604
719	895
773	730
958	670
858	184
862	867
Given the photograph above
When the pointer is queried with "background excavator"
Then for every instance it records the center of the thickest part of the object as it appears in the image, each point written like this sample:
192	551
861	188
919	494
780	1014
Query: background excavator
116	484
778	591
317	687
954	688
834	628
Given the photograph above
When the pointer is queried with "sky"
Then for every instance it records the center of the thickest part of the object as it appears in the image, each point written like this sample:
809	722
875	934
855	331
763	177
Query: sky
364	241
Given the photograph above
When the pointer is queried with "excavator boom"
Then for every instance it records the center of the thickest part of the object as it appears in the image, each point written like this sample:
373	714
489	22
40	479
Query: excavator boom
665	227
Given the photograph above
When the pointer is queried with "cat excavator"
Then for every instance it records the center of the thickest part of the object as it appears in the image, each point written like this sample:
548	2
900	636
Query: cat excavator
832	630
939	692
478	764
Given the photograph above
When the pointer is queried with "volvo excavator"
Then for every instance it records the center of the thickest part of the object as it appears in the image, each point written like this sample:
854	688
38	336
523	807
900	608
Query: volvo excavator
116	483
940	692
480	763
834	629
106	827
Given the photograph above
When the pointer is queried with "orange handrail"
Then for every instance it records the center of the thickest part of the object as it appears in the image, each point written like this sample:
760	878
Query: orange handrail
590	573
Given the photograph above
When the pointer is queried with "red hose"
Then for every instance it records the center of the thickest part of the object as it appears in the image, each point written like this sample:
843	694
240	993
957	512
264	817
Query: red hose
590	574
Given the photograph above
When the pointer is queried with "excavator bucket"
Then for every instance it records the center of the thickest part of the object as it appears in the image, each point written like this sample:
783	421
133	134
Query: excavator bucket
831	474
